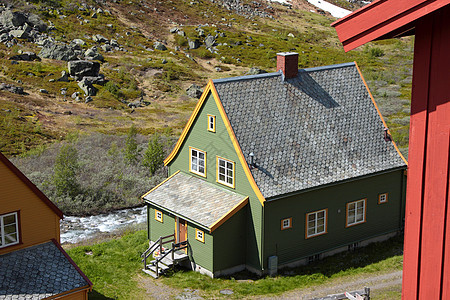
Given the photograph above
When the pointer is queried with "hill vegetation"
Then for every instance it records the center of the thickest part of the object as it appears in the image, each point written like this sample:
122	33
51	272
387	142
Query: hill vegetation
149	53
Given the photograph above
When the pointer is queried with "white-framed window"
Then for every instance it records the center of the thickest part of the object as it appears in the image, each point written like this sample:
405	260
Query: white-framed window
383	198
197	162
286	223
199	235
158	216
316	223
9	229
356	212
211	123
225	171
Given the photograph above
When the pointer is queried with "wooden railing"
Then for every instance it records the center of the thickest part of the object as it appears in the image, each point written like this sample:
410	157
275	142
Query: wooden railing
159	245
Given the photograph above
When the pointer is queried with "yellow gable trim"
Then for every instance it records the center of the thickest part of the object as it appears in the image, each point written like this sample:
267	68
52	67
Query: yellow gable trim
189	124
228	215
379	113
237	148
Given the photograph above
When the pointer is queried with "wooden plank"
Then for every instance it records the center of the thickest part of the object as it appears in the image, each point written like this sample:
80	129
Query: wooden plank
381	18
445	286
416	158
437	160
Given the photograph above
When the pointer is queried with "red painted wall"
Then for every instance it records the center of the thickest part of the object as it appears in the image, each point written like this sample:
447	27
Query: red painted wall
426	270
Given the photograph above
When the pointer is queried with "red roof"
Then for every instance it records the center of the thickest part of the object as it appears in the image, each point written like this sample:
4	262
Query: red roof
383	19
31	185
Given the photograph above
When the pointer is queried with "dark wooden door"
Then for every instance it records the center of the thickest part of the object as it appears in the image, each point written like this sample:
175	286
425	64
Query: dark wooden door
182	230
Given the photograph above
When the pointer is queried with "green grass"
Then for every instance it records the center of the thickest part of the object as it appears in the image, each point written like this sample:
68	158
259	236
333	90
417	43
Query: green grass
113	268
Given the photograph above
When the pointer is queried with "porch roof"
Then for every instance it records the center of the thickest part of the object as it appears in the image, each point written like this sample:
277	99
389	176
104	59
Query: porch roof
196	200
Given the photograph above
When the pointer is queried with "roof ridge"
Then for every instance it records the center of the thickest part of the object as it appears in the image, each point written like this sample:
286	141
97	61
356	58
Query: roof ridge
329	67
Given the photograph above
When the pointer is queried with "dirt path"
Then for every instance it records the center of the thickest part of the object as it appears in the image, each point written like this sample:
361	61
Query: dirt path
378	282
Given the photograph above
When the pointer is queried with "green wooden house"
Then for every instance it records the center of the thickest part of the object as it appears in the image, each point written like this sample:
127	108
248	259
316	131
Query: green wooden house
278	169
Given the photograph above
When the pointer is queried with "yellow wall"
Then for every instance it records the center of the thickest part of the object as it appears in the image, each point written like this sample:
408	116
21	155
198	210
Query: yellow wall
38	223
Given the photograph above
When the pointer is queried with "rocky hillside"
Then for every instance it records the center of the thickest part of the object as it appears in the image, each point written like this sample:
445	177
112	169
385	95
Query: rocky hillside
101	66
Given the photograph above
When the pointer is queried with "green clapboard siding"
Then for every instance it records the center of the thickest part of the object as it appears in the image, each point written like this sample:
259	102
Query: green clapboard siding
157	228
291	244
219	143
230	241
202	253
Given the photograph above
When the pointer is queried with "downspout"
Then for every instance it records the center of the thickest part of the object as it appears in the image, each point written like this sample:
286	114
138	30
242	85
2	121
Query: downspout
262	237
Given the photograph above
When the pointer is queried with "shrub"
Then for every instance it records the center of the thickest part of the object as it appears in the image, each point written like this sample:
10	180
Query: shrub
131	150
65	171
375	52
154	154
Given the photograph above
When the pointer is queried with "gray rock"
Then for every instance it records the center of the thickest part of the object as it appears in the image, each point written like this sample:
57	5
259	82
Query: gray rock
36	23
92	54
181	32
201	33
25	56
87	87
159	46
43	91
99	38
57	51
9	18
82	68
19	33
193	44
291	35
64	77
100	79
194	91
164	61
94	15
87	99
255	71
173	30
75	95
114	43
11	88
210	41
106	47
218	69
78	42
4	37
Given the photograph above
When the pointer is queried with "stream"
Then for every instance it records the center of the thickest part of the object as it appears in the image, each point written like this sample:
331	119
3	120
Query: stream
77	229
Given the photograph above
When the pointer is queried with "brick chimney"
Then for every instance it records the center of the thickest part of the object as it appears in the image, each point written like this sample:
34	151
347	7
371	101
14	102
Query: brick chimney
287	62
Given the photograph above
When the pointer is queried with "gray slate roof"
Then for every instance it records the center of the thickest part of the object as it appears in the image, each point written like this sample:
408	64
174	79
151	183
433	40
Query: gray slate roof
317	128
194	199
37	272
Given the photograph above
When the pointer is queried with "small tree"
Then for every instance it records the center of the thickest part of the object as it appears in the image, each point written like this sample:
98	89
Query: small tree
65	171
154	154
131	150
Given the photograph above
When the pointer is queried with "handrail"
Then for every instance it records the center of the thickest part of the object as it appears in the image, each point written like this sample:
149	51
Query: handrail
159	243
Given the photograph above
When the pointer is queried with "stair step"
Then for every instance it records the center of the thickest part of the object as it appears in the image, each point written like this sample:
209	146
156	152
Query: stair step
150	272
167	261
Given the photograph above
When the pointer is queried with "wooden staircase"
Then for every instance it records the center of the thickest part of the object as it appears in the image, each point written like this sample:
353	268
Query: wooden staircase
165	258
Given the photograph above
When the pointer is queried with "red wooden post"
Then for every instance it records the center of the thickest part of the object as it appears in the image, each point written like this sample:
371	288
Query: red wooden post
428	174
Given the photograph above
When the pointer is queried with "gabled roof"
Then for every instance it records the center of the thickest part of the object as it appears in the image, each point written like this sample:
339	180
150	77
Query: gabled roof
318	128
196	200
31	186
383	19
39	272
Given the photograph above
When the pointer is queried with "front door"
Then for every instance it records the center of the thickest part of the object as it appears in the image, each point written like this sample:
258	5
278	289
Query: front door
181	230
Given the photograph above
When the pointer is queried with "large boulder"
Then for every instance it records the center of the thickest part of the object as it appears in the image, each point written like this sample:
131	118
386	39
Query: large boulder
159	46
194	91
9	18
36	22
25	56
99	38
57	51
92	54
87	87
82	68
11	88
255	71
210	41
193	44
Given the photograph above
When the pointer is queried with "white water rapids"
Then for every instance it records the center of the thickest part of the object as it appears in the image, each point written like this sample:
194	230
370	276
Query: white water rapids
76	229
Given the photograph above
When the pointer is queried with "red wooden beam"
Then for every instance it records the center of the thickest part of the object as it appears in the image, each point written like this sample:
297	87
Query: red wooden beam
382	18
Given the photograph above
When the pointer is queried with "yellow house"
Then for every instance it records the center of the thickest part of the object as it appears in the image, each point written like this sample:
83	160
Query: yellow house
33	264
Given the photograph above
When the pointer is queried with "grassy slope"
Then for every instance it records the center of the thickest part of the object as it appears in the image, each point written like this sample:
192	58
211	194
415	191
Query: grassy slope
137	73
114	267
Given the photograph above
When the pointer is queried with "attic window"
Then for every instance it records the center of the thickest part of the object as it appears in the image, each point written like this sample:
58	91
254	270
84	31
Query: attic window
197	162
199	235
211	123
158	216
286	223
382	198
225	172
9	229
